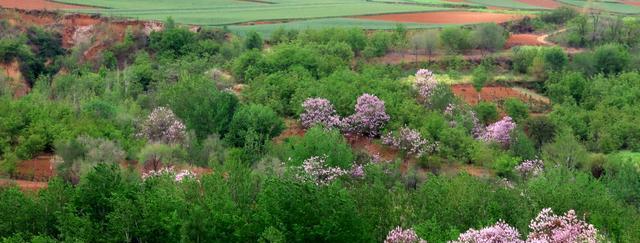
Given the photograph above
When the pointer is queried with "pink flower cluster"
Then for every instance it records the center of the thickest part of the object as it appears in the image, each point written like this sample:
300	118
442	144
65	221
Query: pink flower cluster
548	227
178	176
163	126
369	117
317	171
498	233
399	235
545	228
426	83
530	168
499	132
410	141
319	111
357	171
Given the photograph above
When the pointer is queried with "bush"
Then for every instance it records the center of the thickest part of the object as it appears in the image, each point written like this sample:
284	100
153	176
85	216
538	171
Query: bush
516	109
486	112
253	122
319	142
253	41
489	37
611	58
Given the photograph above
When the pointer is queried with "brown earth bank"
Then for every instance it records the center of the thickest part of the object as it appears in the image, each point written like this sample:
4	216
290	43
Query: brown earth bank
446	17
23	184
39	168
13	76
38	4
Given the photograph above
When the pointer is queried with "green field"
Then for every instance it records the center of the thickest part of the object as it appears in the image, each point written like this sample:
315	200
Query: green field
225	12
610	6
505	4
266	29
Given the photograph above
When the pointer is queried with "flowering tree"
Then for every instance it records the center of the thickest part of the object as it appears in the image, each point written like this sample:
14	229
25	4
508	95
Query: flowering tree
410	141
399	235
530	168
498	233
426	83
499	132
163	126
548	227
319	111
369	116
316	170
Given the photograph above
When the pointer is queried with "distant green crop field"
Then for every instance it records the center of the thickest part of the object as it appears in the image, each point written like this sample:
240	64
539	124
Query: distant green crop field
227	12
266	29
505	4
610	6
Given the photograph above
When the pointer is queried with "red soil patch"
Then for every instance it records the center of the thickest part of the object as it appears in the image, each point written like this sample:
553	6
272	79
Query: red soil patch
38	169
491	93
542	3
38	4
523	40
446	17
631	3
367	145
294	129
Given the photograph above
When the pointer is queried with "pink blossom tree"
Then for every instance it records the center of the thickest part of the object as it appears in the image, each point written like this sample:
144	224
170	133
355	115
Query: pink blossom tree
529	168
369	117
425	83
498	233
319	111
548	227
410	141
399	235
162	126
499	132
315	169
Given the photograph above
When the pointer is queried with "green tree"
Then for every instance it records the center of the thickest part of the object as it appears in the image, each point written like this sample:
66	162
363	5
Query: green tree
318	142
611	58
489	37
455	39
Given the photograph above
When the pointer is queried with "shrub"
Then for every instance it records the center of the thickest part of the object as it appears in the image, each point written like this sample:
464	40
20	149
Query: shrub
253	41
611	58
253	120
199	103
319	111
516	109
319	142
486	112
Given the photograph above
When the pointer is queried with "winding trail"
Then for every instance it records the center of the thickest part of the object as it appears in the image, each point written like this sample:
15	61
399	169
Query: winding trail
543	38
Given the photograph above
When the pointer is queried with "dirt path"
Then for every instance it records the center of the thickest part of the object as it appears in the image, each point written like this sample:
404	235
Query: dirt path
543	38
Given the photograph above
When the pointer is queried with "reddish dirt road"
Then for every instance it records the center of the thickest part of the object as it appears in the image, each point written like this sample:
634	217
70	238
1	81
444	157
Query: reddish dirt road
446	17
38	5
